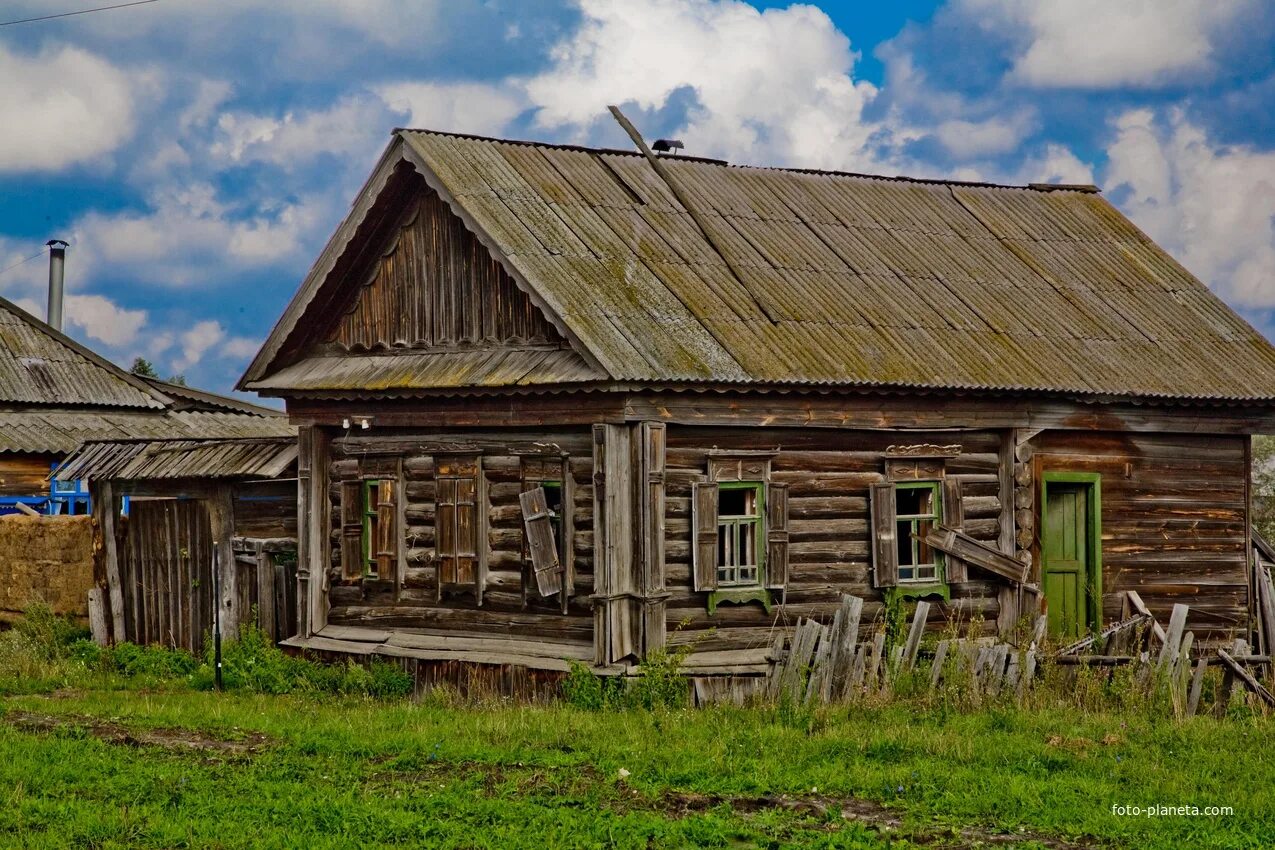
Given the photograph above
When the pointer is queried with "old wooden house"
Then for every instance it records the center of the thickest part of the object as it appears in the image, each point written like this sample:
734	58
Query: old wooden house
563	403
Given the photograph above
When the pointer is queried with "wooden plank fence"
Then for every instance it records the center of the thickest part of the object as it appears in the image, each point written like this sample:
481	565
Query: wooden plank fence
829	664
166	560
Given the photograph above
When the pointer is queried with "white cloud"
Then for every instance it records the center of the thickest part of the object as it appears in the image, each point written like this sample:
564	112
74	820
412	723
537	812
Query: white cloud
104	320
478	108
196	341
63	106
772	86
353	127
189	235
1210	205
1109	43
1055	164
965	139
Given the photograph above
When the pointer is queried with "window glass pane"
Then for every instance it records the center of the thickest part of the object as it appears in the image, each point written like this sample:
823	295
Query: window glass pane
904	532
736	502
925	555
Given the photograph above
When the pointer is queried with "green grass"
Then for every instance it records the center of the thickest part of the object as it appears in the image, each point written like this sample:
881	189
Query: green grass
346	771
345	764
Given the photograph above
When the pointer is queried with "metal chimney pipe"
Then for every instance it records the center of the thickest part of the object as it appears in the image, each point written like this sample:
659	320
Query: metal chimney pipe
57	280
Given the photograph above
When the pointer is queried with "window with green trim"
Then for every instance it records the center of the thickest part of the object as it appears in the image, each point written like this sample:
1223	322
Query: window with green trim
740	549
918	508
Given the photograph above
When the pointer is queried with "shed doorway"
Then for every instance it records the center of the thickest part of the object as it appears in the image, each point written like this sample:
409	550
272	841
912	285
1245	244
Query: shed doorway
1071	556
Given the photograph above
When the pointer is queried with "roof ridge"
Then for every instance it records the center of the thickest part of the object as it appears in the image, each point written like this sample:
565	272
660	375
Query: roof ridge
824	172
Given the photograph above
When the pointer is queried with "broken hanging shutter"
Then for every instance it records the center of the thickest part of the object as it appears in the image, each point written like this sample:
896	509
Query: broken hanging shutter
352	529
885	552
541	545
386	527
777	536
954	568
704	524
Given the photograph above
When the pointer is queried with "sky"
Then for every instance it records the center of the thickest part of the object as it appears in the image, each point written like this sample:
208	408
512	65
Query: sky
197	154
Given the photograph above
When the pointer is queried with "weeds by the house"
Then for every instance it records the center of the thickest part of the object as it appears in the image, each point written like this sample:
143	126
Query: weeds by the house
44	652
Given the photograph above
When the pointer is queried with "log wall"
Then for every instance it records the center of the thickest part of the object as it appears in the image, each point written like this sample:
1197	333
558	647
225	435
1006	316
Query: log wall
505	610
828	474
1174	518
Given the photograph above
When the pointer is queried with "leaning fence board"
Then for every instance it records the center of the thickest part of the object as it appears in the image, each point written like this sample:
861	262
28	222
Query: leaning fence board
940	657
913	644
1197	684
1239	672
1173	638
1136	604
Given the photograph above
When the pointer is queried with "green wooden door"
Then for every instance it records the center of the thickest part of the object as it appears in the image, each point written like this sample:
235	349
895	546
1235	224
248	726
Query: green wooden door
1066	561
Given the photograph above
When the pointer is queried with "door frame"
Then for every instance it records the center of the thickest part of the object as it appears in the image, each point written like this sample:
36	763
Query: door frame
1093	535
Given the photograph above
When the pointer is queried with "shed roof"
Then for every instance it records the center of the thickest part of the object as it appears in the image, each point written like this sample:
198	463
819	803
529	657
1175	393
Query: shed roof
154	460
820	278
58	431
39	365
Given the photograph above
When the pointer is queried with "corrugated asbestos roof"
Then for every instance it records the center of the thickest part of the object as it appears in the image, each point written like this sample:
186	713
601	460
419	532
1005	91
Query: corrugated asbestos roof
142	460
38	365
832	280
417	370
62	431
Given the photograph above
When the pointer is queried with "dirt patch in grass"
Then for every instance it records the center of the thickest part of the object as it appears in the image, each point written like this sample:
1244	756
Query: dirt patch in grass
870	814
185	740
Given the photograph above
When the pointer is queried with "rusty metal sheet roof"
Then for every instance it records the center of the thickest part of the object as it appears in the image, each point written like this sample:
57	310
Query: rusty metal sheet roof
62	431
39	365
417	370
151	460
827	279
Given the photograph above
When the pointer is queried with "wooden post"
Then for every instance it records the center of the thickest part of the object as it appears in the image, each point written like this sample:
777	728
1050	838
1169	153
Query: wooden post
1010	599
221	519
650	444
616	566
97	617
312	530
106	509
1169	650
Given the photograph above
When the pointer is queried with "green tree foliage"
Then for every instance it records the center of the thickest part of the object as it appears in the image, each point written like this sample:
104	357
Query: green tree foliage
1264	485
143	367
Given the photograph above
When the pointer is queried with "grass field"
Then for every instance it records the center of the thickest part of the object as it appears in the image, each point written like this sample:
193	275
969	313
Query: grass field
143	760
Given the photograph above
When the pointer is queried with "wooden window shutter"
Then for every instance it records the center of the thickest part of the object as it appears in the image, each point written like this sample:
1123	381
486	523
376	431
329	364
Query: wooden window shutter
445	532
387	528
541	545
777	536
885	553
704	526
352	529
954	518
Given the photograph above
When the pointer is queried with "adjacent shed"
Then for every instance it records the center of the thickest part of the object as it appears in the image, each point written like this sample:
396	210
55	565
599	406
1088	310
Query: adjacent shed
189	499
560	403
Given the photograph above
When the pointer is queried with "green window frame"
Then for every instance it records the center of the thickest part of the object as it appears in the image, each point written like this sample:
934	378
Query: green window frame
918	563
741	542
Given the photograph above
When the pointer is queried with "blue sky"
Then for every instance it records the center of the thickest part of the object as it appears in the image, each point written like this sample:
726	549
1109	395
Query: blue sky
197	154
